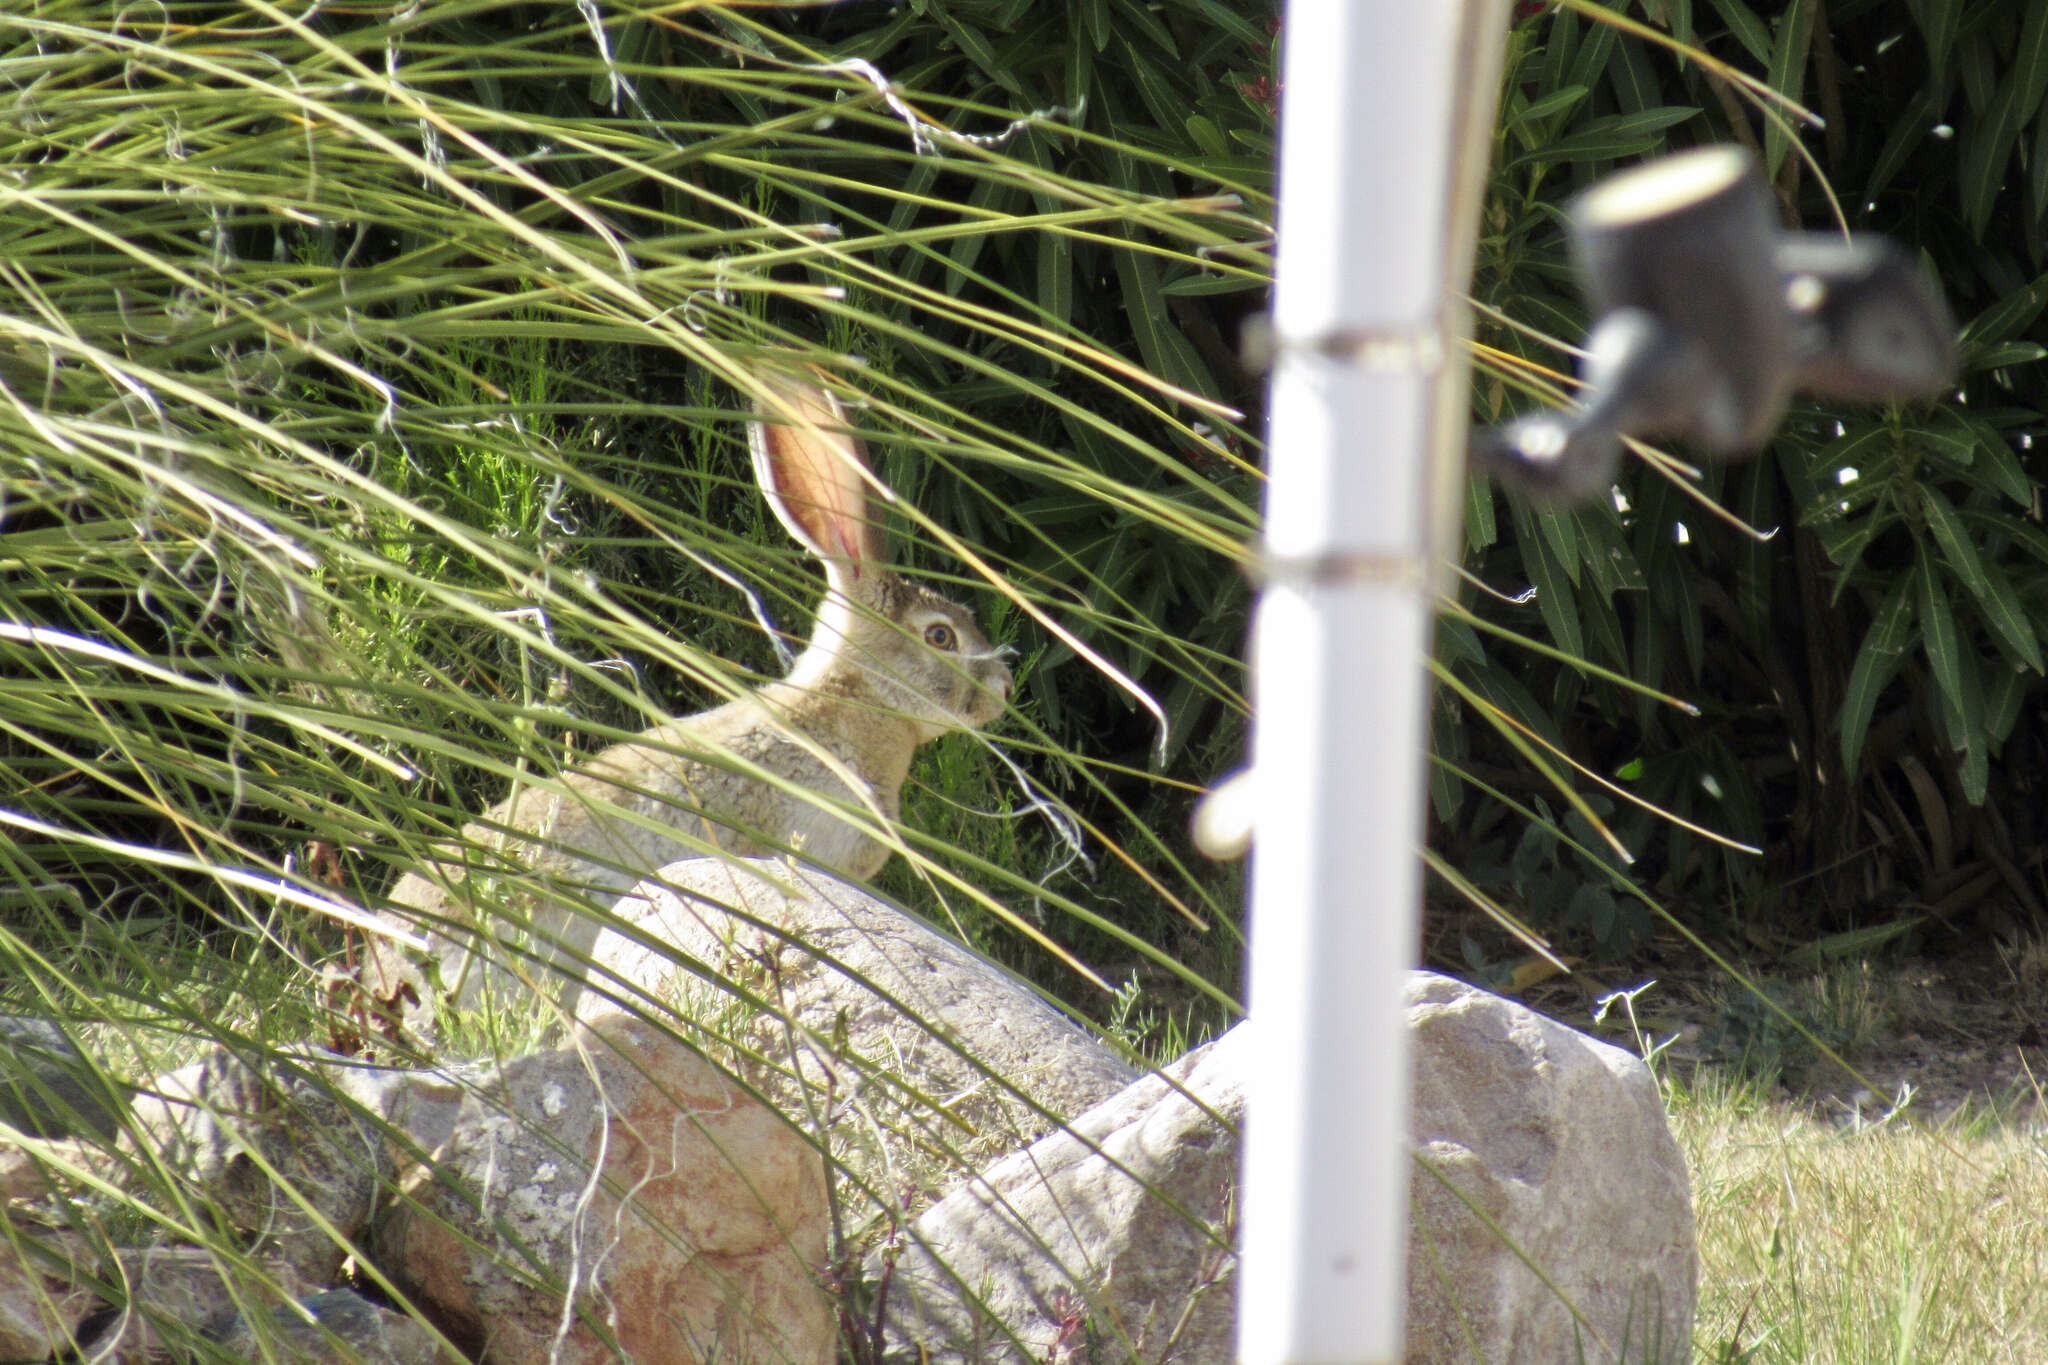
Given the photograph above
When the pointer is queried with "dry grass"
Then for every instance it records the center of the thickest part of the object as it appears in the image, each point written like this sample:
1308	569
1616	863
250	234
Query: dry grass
1890	1243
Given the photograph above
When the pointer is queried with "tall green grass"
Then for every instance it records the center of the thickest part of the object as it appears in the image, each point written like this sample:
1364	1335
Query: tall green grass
372	400
372	421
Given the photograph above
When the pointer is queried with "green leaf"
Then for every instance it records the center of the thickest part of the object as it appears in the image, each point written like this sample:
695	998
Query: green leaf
1847	517
2004	319
1634	77
1855	448
1845	543
2029	66
1753	501
1446	791
1938	636
1555	599
1561	533
978	50
1680	22
1512	696
1909	132
2002	702
1095	13
1525	119
1974	775
1166	104
2002	609
2003	354
1458	643
1988	145
1966	729
1787	76
1651	647
1165	350
2037	168
1997	466
1976	63
1604	550
2024	534
1749	30
1854	943
1081	56
1589	63
1955	540
1142	18
1684	607
923	174
1609	138
1884	647
1201	285
1560	41
1481	530
1947	439
1204	133
990	198
1938	20
1224	18
1596	902
1056	277
1603	626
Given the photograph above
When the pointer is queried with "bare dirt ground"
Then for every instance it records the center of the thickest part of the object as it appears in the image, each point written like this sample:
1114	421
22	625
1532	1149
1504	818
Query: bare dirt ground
1966	1028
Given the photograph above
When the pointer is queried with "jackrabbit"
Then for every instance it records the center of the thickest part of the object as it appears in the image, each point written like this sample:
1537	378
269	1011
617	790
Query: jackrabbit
890	665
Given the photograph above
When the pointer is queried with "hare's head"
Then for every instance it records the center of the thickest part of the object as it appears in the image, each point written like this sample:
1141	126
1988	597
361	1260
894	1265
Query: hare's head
880	638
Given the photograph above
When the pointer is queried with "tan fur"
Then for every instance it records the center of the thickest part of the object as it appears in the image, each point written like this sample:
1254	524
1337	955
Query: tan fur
843	725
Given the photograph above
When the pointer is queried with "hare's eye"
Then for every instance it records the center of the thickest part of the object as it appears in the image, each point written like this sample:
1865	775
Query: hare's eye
939	635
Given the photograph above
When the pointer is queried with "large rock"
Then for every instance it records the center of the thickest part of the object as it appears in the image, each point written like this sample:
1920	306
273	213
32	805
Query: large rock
1562	1142
870	1022
48	1088
67	1296
336	1327
44	1171
1110	1239
176	1294
44	1297
278	1144
690	1218
619	1187
1114	1235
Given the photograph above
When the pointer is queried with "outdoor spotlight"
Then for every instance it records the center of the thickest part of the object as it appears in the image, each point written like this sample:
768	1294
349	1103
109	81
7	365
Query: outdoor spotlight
1706	318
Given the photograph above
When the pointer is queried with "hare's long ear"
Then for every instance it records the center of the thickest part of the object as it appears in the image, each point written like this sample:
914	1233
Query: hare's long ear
810	470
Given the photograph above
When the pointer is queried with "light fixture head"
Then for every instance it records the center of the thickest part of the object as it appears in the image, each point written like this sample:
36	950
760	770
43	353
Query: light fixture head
1706	318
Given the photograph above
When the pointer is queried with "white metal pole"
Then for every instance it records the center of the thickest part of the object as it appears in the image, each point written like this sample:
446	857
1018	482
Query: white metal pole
1387	105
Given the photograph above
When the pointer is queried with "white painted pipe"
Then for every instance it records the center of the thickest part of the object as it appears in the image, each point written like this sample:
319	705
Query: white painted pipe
1385	126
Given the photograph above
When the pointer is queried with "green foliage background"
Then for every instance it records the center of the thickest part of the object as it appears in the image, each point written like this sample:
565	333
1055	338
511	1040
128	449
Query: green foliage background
376	383
409	347
371	383
1867	652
